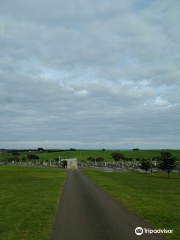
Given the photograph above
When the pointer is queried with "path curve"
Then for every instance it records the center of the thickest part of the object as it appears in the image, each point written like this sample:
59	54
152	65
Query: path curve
87	212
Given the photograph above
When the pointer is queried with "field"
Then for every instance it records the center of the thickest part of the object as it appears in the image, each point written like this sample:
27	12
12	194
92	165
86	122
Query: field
29	196
29	199
84	154
153	197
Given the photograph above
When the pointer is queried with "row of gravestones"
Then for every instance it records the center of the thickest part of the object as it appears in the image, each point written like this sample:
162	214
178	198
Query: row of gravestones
125	164
49	163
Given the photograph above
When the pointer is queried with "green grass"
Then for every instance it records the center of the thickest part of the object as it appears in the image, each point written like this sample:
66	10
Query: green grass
154	198
28	202
150	153
84	154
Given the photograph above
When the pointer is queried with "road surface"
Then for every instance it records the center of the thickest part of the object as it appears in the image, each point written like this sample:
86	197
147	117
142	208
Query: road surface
87	212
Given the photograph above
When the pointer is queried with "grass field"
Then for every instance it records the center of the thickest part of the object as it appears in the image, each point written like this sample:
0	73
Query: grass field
28	202
154	198
84	154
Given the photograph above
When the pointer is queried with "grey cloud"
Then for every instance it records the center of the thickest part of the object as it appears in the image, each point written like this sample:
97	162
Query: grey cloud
89	72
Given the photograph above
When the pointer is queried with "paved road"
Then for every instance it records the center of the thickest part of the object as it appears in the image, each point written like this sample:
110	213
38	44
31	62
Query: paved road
87	212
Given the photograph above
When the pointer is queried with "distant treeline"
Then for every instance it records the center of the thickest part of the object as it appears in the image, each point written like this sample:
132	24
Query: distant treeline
16	151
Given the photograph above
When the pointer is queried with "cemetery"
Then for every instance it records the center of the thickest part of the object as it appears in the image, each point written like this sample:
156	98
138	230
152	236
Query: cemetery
138	183
142	192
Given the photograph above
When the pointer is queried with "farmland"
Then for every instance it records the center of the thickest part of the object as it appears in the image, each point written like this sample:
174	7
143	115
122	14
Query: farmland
82	155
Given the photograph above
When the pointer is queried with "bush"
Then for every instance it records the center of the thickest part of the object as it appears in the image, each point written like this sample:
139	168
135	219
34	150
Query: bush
117	156
99	159
15	154
32	156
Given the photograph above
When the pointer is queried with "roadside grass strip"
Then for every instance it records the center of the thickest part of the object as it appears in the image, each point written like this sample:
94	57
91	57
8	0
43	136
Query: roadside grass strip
153	197
28	201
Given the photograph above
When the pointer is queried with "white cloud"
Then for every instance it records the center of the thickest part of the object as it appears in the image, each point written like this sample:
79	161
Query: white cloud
91	72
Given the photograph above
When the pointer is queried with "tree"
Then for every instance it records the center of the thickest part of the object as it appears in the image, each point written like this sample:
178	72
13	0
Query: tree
135	149
117	156
40	149
32	156
72	149
99	159
166	162
145	164
91	159
178	166
15	154
15	159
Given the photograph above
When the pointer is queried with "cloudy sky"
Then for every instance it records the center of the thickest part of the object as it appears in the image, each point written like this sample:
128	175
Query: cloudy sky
90	74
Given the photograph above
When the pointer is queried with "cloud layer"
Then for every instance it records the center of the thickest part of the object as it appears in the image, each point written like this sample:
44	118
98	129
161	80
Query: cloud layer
89	74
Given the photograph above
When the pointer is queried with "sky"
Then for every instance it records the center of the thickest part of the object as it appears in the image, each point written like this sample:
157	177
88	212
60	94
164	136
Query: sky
90	74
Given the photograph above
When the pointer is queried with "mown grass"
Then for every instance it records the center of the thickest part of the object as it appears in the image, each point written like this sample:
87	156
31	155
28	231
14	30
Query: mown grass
28	202
154	198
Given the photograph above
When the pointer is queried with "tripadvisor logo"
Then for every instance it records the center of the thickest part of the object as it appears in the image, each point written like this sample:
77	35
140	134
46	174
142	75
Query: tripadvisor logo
138	231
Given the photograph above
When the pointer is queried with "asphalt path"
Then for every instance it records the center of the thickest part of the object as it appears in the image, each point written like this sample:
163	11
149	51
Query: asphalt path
87	212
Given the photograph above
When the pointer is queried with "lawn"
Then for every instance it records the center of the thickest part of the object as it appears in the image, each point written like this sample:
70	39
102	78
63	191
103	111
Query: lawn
154	198
28	202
